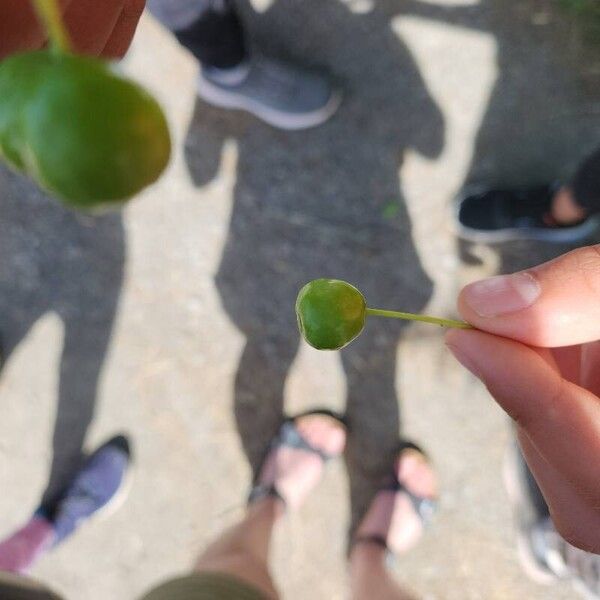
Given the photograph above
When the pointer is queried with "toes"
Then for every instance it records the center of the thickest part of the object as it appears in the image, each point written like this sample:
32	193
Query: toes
416	473
296	471
322	432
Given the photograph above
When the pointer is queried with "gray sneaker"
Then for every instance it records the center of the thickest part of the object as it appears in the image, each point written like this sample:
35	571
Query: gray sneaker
581	568
544	554
282	95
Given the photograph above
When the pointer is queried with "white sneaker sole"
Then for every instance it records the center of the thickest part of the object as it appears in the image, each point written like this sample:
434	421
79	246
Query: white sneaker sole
526	555
224	99
115	503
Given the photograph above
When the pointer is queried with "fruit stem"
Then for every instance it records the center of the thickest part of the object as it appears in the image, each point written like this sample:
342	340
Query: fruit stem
394	314
49	14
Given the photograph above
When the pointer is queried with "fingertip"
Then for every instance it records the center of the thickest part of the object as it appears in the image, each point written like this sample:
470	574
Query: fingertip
463	307
455	337
454	340
467	339
466	345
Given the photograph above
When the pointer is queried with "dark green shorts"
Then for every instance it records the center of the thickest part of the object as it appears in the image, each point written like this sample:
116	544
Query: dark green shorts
197	586
14	587
205	586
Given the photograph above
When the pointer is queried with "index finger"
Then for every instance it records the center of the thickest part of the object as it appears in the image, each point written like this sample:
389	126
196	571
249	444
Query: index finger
561	419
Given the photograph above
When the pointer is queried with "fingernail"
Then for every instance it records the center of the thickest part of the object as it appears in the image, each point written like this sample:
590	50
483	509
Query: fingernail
502	295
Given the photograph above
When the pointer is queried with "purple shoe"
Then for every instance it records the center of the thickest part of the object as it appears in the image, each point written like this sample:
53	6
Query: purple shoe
96	486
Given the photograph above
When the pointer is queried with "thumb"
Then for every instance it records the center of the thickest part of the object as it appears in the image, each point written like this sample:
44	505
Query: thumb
554	304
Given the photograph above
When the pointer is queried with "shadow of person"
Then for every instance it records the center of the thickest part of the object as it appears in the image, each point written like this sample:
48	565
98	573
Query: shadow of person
542	117
539	123
325	202
54	259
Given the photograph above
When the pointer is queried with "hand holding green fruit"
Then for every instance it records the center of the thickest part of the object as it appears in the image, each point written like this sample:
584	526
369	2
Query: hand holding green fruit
331	313
81	131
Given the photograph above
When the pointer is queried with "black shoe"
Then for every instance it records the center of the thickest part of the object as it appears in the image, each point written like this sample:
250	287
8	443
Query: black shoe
491	216
544	554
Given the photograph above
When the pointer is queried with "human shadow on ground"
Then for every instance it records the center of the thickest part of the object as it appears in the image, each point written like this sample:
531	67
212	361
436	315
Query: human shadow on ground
541	120
325	202
55	259
542	117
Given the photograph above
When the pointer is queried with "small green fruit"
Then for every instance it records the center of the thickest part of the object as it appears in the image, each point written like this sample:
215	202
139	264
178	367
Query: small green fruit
81	131
331	313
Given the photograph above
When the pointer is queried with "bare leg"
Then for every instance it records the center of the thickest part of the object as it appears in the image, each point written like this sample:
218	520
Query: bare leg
291	471
391	522
19	552
369	577
243	551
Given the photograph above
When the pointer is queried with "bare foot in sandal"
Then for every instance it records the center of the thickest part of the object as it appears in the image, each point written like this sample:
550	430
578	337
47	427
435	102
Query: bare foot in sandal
292	467
394	523
295	460
403	506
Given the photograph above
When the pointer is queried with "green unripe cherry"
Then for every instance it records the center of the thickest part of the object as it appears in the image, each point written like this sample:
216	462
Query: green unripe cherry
83	132
19	79
331	313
